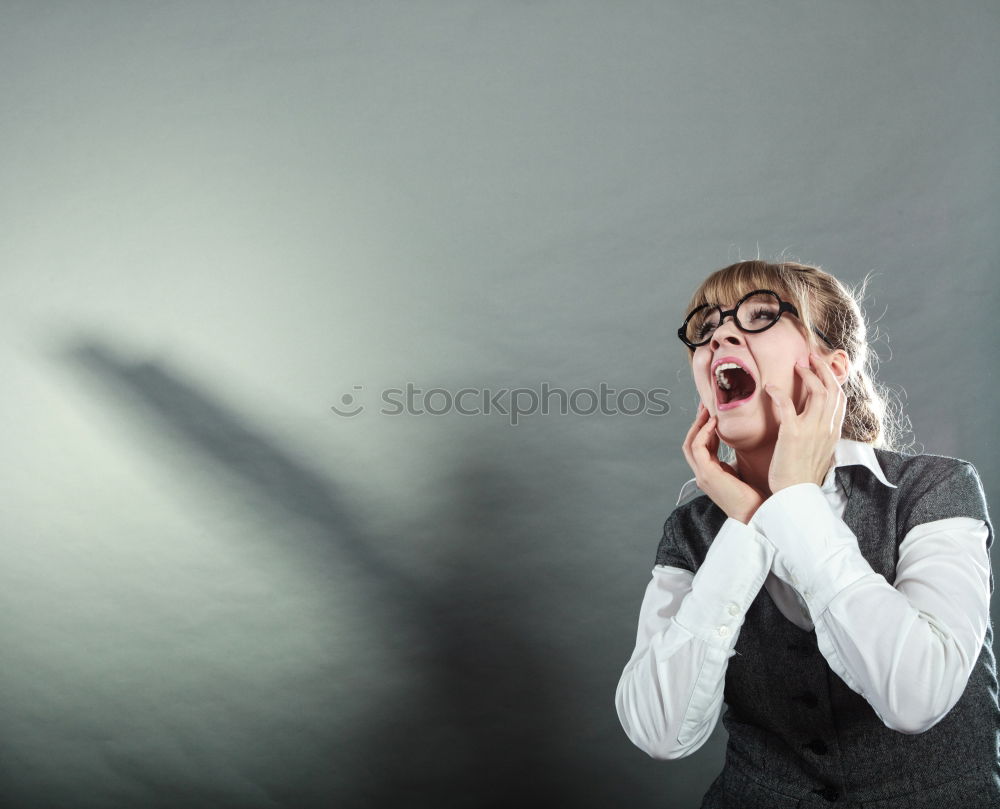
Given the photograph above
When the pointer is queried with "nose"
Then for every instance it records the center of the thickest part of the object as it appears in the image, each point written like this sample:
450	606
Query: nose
726	333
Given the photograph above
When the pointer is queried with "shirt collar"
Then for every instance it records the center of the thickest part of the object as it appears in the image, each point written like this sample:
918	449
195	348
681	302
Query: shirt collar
846	453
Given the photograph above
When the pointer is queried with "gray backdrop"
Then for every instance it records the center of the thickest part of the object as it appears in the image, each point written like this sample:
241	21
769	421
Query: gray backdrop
222	218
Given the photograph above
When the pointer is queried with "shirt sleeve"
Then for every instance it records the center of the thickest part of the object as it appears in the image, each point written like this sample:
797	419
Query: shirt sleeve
913	663
670	693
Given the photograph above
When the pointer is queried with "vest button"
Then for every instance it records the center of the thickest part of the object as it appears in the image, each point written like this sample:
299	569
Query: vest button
818	746
827	792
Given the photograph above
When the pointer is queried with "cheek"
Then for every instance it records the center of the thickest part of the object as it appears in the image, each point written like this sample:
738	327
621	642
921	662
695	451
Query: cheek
790	380
699	374
706	394
782	374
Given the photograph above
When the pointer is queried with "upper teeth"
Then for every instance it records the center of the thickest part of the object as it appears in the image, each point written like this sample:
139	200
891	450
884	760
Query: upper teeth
720	378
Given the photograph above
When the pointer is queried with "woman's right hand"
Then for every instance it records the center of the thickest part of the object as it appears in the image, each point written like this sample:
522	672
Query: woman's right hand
716	478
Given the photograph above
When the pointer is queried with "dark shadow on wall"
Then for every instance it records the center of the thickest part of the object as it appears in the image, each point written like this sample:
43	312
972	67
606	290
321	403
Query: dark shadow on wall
488	728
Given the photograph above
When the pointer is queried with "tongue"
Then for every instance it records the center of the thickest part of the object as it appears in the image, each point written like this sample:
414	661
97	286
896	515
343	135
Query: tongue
741	385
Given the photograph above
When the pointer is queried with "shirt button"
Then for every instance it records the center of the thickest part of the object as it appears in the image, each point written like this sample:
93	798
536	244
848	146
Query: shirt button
723	631
807	595
734	609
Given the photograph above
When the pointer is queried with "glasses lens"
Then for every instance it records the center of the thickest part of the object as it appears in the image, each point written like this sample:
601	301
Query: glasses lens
702	323
759	311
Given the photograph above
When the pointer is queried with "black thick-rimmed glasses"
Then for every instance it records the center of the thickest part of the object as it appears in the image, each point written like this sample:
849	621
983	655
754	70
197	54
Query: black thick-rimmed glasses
755	312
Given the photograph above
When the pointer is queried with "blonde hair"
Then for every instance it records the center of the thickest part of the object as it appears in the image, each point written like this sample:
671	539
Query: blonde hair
873	415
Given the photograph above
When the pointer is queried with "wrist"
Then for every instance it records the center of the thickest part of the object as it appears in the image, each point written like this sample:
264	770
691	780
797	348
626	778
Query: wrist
744	513
793	480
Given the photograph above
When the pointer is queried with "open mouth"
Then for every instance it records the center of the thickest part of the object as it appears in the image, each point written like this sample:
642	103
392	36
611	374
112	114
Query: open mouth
733	385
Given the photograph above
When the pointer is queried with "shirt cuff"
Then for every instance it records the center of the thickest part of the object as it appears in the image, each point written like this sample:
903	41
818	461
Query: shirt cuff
815	551
735	567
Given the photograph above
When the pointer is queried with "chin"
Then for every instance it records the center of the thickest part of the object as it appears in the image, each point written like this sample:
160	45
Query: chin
745	433
742	439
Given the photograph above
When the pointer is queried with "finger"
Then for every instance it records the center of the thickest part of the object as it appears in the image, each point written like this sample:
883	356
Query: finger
713	438
699	417
696	426
686	449
701	449
712	443
816	394
699	422
695	456
699	443
805	390
781	405
836	398
840	411
810	377
824	371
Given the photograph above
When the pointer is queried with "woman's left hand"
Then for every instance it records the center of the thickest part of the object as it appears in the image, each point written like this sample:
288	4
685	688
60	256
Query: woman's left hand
806	440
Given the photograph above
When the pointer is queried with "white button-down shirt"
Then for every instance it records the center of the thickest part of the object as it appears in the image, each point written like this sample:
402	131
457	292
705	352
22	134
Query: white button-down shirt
908	648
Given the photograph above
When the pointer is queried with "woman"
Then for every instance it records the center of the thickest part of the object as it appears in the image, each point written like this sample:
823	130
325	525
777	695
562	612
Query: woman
833	592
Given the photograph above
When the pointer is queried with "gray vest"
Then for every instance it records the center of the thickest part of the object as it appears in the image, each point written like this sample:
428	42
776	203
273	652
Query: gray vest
798	735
